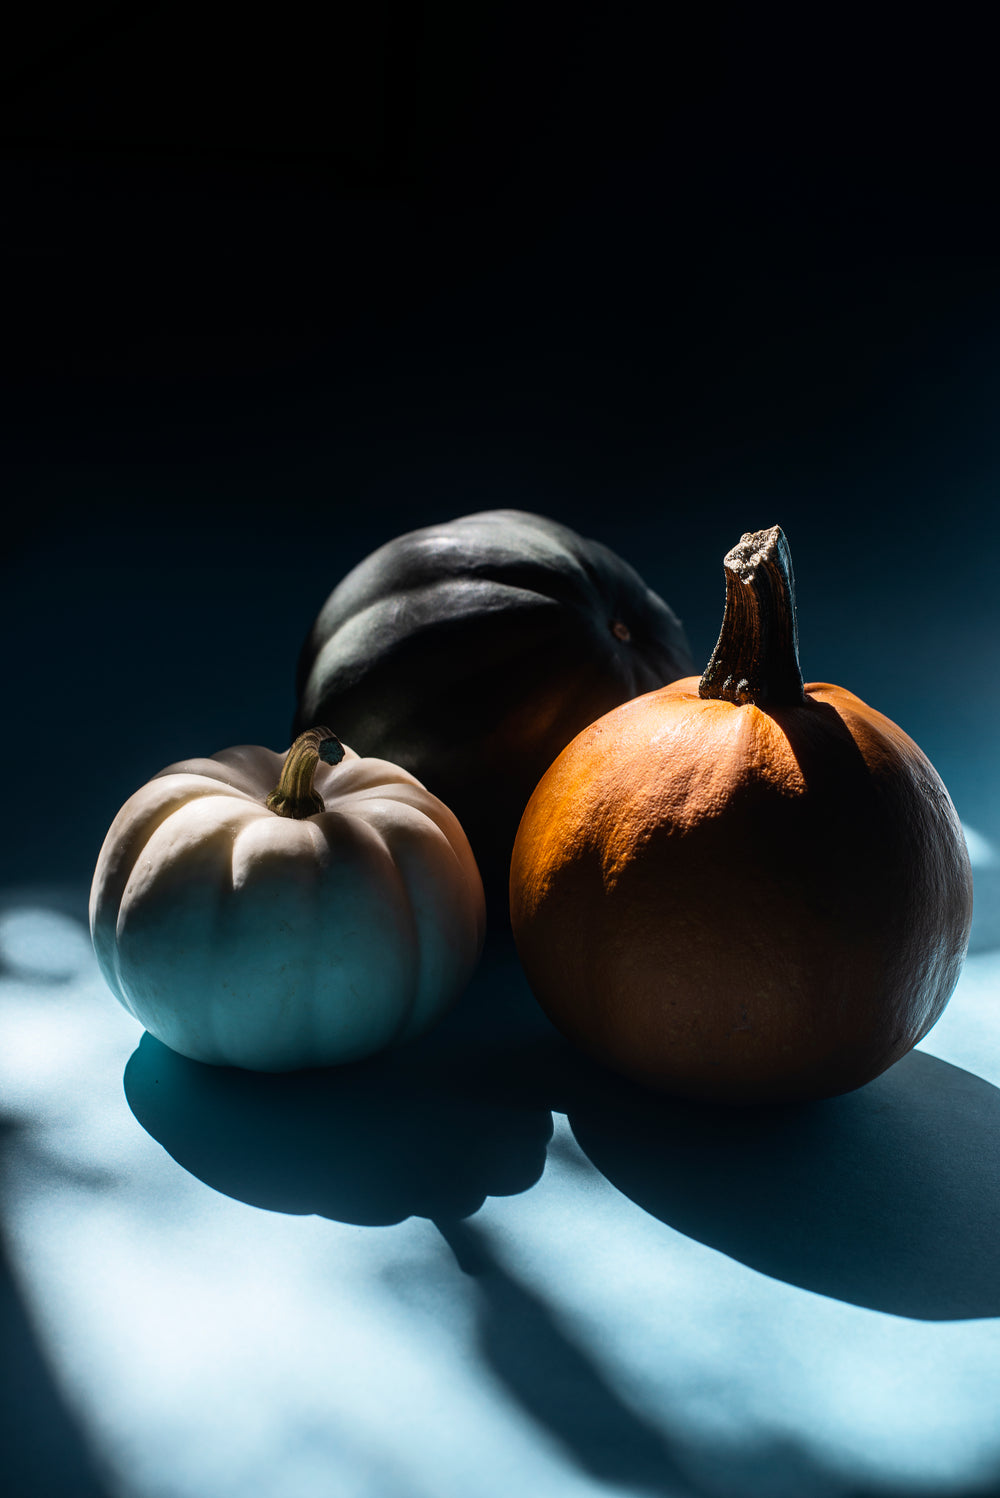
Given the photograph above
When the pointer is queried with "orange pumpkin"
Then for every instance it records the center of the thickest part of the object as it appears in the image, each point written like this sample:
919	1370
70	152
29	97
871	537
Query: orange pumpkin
743	889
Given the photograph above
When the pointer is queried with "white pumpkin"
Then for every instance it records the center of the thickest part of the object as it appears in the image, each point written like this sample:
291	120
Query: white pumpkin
321	923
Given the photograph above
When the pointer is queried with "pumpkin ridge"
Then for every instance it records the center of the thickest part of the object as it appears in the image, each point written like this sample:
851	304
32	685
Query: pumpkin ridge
141	832
404	904
142	897
247	781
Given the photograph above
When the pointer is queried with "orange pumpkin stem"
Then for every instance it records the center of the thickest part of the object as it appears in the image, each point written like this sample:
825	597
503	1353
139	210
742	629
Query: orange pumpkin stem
756	659
294	796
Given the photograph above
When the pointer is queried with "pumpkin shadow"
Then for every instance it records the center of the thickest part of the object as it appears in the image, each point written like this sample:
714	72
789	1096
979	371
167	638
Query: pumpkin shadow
887	1198
45	1447
430	1130
551	1372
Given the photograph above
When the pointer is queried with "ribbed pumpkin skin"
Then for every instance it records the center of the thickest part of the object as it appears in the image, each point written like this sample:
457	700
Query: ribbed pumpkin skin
240	937
472	652
741	906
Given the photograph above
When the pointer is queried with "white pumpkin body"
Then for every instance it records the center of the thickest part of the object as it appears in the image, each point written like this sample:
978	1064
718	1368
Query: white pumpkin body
244	938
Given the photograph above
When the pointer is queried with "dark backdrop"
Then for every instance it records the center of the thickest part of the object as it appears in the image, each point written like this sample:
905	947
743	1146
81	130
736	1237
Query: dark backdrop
280	284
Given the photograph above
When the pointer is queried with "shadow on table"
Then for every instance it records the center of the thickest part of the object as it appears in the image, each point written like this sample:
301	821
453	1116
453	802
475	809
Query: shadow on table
430	1130
887	1198
370	1144
556	1380
549	1371
45	1450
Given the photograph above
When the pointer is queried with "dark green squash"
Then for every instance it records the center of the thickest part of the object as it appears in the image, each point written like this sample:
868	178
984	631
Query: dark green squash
473	651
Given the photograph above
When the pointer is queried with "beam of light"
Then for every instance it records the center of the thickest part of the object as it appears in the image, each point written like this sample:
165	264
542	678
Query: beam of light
207	1344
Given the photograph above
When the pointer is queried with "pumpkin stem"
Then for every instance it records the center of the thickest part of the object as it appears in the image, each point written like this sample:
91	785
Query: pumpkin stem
294	796
756	658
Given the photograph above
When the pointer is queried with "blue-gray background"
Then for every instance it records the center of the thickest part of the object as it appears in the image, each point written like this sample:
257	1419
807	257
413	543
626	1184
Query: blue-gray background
273	298
274	293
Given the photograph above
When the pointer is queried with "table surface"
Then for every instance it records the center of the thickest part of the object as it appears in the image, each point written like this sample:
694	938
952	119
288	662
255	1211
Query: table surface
481	1265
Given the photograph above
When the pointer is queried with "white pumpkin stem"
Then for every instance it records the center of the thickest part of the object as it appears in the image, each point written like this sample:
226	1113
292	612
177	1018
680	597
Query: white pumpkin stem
756	659
294	796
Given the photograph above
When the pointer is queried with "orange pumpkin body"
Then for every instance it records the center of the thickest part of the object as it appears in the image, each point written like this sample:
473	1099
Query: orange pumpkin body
738	904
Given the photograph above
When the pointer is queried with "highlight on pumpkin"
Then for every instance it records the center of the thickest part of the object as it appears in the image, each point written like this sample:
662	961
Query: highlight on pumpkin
742	888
